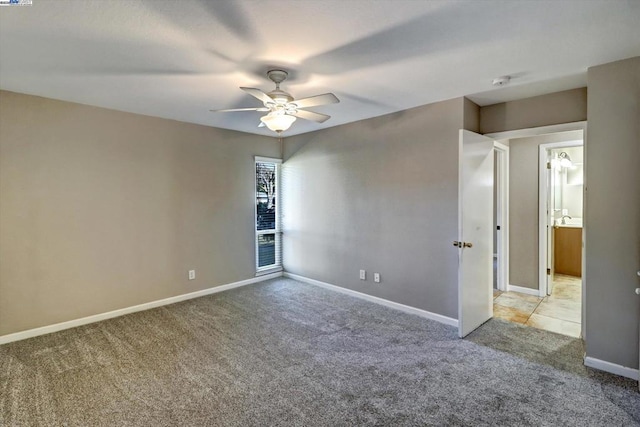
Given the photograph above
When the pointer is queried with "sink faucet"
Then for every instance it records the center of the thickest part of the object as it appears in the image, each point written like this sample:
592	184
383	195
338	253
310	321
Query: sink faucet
563	222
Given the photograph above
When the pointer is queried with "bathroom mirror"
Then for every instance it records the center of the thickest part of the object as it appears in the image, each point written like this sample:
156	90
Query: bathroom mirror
575	174
558	177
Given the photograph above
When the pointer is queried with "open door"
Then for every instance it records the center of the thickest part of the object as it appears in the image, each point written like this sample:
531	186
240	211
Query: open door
553	198
475	231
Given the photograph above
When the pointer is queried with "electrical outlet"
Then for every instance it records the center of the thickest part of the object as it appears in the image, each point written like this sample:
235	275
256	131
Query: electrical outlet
376	277
192	274
363	275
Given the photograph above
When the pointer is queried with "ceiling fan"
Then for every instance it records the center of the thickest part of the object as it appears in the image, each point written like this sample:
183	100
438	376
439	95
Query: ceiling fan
282	108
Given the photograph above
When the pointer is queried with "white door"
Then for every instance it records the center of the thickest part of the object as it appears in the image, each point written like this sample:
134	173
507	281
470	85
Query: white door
475	234
553	194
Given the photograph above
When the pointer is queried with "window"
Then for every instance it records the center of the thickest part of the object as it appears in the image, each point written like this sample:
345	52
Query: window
268	233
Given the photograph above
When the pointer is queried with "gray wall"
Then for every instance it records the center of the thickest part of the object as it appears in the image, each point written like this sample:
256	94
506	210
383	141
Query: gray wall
101	210
380	195
523	206
613	212
555	108
471	116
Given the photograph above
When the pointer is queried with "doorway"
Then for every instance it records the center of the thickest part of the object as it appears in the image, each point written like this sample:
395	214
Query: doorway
561	211
500	217
532	297
561	207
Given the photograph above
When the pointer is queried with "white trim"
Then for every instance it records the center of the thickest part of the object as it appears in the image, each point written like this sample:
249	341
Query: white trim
541	130
612	368
278	230
267	159
271	270
584	228
500	146
523	290
30	333
407	309
543	201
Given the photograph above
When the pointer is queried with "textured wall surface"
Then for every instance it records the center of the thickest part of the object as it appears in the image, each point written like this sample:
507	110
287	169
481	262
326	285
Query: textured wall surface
551	109
612	215
379	195
101	210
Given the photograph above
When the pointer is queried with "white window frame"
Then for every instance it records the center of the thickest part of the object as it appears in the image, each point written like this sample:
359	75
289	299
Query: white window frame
272	268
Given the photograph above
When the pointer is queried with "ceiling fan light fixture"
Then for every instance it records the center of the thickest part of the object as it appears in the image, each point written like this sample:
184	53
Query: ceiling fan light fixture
278	122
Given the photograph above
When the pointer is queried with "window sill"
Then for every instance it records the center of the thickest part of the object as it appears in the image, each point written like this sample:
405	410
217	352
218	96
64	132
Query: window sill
269	270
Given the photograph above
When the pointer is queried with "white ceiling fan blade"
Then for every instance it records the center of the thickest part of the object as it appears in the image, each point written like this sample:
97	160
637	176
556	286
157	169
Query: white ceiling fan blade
313	101
240	109
258	94
310	115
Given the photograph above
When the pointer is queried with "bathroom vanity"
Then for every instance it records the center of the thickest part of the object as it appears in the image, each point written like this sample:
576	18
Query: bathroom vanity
567	249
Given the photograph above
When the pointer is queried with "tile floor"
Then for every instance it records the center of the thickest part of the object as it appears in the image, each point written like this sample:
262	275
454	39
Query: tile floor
560	312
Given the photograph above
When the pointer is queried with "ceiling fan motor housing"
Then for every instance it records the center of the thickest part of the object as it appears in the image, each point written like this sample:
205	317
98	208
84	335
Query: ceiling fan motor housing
279	96
277	76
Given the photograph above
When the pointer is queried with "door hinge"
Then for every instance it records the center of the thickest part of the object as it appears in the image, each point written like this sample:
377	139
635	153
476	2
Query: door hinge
548	272
548	165
497	227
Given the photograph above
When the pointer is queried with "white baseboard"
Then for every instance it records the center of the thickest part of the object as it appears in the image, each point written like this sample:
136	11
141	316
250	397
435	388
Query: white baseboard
612	368
522	290
4	339
407	309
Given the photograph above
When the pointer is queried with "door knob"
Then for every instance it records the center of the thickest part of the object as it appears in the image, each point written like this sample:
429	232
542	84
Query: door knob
637	291
462	244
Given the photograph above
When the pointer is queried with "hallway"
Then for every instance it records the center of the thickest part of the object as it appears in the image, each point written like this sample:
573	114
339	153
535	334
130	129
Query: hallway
559	312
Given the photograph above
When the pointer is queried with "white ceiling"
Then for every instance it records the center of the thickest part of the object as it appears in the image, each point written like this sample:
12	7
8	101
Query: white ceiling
179	58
